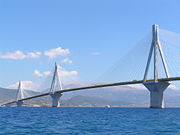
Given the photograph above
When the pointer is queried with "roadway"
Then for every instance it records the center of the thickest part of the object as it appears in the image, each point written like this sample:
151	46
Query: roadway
97	86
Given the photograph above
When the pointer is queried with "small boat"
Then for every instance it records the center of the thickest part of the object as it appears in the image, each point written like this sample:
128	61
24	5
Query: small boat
107	106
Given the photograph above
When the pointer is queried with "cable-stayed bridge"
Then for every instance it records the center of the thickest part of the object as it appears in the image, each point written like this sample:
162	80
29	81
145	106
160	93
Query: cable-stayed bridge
156	86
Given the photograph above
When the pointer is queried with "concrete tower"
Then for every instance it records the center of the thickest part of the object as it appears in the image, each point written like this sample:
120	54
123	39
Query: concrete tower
155	87
19	96
55	85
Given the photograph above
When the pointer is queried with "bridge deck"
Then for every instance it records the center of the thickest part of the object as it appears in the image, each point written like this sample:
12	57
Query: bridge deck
97	86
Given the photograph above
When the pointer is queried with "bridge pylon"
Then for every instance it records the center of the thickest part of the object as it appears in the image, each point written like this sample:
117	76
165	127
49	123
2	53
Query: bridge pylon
19	96
55	85
155	87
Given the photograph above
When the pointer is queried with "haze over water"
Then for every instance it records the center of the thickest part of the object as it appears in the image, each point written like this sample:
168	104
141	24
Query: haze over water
89	121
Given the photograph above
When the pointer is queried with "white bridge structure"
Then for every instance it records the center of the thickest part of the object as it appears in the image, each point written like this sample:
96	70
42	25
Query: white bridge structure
156	86
55	85
20	95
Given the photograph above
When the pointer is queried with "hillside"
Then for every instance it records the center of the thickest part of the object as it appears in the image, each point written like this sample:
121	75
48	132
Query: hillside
114	96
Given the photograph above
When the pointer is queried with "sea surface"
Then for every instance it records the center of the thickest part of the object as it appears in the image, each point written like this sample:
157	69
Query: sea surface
89	121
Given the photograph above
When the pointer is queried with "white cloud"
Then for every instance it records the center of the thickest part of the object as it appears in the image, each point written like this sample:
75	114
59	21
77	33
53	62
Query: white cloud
96	53
47	73
173	87
37	73
53	53
136	86
28	85
19	55
13	55
62	72
66	61
33	55
68	73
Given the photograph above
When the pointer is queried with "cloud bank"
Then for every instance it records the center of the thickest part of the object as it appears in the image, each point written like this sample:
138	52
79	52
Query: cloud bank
51	54
19	55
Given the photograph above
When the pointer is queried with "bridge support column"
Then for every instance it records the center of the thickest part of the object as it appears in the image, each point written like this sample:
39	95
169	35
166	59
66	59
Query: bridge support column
19	103
56	99
156	90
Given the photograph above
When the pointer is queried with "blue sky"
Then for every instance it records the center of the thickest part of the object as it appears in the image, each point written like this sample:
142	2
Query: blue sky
86	36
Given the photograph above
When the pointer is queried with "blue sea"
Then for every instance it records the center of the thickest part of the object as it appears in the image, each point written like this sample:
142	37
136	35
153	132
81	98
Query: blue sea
89	121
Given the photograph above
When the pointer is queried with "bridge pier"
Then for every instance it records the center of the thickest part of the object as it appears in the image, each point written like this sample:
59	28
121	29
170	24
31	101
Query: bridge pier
56	99
156	90
19	103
